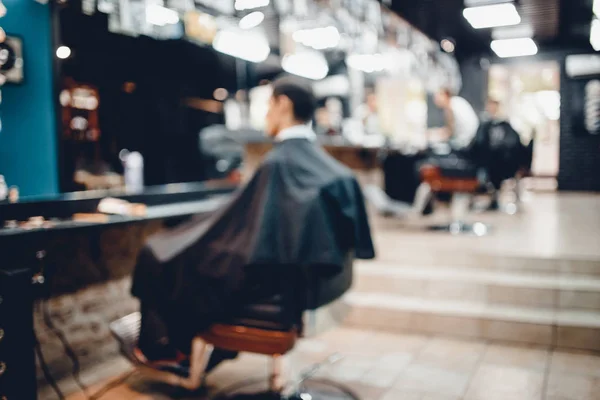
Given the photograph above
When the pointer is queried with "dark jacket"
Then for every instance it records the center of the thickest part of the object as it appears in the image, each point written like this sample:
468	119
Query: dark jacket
302	209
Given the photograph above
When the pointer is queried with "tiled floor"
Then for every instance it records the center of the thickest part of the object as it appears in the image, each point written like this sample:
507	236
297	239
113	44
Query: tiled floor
550	225
381	366
552	245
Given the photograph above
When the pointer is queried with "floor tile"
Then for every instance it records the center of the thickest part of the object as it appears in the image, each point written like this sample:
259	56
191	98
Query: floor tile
492	382
399	394
426	379
366	392
385	343
573	387
352	367
388	370
452	354
575	363
532	358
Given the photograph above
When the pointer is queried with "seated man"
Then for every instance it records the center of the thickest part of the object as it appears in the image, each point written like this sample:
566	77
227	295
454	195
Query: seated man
301	208
497	149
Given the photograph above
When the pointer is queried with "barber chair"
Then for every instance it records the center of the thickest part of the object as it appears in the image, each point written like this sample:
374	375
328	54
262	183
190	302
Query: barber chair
457	177
270	327
222	154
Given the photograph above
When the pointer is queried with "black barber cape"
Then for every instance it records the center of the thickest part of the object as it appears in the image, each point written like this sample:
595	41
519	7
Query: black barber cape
301	207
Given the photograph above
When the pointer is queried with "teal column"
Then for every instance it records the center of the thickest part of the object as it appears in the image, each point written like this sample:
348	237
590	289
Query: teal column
28	148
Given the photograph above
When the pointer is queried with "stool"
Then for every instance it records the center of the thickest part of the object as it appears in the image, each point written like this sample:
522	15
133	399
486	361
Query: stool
462	184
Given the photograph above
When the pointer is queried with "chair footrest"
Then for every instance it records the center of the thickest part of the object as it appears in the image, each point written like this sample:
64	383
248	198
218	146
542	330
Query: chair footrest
127	331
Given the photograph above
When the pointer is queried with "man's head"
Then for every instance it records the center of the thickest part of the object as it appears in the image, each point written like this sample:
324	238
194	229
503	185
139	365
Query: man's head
372	102
442	98
493	108
292	103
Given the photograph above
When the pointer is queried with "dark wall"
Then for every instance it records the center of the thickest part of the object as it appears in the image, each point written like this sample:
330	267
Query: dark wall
475	82
579	151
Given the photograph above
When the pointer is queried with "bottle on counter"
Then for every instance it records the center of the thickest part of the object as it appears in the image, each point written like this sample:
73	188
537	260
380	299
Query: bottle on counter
3	189
134	170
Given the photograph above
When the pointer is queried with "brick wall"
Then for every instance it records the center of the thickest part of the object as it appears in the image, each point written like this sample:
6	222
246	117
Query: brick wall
83	317
579	151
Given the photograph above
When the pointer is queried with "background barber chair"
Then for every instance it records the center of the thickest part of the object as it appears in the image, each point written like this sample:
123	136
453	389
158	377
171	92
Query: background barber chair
458	178
270	327
222	154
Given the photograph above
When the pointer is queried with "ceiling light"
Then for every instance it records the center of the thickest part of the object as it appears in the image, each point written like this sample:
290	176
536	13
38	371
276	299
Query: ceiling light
514	47
241	5
597	8
252	20
63	52
447	46
161	16
595	34
307	65
318	38
367	62
244	45
492	16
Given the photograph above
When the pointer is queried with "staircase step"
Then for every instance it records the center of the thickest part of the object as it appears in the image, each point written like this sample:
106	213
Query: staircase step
548	327
494	287
418	249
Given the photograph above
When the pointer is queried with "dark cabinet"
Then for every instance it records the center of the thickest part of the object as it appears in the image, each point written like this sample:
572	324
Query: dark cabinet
17	356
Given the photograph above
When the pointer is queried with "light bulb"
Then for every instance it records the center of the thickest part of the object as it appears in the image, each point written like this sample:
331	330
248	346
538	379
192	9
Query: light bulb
63	52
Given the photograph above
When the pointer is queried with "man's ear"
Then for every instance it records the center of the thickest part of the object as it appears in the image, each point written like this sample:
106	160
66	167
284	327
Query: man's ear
286	102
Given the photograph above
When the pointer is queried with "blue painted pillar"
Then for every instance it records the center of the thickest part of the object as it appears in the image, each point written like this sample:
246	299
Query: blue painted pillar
28	145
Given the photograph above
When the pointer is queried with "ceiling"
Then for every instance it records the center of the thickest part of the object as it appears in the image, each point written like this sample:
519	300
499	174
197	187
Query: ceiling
556	24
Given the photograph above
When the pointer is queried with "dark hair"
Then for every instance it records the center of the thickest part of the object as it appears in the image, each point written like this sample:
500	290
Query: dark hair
300	94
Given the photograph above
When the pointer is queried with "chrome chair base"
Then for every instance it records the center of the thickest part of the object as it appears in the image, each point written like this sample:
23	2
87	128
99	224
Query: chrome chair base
460	228
311	389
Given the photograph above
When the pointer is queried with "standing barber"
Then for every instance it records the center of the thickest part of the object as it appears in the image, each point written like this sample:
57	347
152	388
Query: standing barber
461	120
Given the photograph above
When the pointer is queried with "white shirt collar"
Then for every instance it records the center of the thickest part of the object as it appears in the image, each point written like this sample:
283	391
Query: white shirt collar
296	132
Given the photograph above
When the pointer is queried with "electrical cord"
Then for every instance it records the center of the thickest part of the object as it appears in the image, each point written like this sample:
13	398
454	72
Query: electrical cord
69	352
76	371
46	371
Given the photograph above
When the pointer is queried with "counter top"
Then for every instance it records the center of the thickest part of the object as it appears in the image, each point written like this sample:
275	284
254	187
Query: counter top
174	210
63	206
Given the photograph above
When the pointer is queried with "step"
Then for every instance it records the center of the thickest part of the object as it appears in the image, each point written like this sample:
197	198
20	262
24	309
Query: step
499	261
546	327
414	247
487	286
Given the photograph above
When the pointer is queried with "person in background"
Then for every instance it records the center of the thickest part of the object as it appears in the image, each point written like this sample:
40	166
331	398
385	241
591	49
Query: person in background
497	149
369	116
461	120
